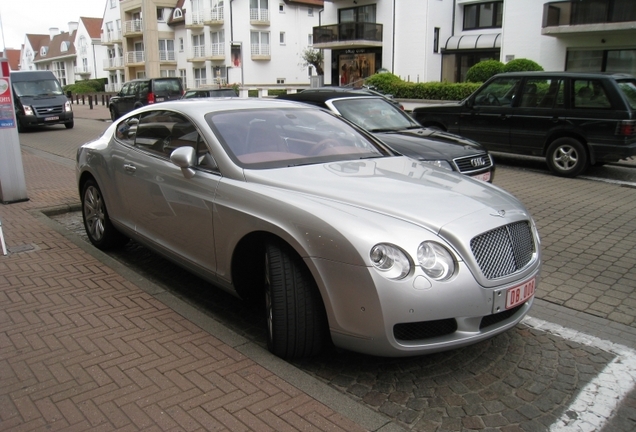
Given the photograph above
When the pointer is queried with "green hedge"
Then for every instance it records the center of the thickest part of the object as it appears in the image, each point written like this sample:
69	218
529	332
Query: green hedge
484	70
87	86
391	84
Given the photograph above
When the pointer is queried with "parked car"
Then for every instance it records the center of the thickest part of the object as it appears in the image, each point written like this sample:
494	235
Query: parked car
403	134
340	238
363	90
572	119
144	91
203	93
39	100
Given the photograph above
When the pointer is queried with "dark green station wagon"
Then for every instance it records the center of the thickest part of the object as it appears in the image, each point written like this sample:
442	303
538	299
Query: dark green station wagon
572	119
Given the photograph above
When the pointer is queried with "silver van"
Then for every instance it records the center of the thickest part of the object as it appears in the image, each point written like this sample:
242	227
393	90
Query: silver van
39	100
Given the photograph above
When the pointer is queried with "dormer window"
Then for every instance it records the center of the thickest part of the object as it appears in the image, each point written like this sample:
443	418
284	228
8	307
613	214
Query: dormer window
64	46
44	50
177	14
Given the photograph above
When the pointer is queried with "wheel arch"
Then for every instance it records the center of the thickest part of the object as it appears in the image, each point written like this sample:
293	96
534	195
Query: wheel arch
555	135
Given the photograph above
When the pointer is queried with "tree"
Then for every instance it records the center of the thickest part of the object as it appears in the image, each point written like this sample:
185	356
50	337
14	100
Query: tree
314	58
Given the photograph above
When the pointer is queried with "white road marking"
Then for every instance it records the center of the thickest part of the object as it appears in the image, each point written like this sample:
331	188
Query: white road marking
607	180
599	400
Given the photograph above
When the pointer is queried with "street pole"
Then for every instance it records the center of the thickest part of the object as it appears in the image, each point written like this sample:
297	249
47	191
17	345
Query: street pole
12	183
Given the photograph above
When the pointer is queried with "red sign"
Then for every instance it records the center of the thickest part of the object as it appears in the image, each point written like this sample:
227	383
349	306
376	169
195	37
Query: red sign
7	114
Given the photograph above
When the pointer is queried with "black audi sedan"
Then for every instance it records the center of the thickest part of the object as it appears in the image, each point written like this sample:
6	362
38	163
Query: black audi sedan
402	133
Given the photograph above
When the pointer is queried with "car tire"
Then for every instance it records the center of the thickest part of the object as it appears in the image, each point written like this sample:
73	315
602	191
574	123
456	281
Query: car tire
295	314
97	224
114	115
69	125
566	157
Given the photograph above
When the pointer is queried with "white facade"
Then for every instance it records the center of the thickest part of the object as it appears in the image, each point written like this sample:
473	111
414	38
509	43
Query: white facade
90	54
412	29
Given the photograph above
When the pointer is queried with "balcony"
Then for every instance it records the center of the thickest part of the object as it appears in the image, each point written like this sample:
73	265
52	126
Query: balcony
135	57
114	63
167	56
214	16
113	88
134	27
348	35
261	51
579	17
197	54
83	71
197	19
111	37
259	16
216	51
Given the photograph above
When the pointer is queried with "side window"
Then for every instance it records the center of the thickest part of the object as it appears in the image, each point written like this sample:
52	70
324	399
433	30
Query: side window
542	93
143	89
590	94
126	130
500	92
125	89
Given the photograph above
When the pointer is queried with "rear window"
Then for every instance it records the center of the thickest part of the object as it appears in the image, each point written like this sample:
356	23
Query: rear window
628	87
167	86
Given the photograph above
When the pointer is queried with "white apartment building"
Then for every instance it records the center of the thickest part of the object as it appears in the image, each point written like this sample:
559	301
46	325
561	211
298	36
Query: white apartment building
209	42
72	56
439	40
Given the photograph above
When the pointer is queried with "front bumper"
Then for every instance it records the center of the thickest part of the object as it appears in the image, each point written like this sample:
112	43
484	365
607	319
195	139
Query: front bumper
371	314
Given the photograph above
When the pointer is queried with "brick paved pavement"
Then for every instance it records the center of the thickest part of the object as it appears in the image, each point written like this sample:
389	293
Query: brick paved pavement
82	347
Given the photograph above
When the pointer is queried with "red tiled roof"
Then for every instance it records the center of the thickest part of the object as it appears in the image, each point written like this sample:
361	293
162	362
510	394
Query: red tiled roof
13	55
319	3
93	26
55	47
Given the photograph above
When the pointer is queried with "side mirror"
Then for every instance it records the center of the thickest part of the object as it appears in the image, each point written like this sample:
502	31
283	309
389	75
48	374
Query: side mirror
185	158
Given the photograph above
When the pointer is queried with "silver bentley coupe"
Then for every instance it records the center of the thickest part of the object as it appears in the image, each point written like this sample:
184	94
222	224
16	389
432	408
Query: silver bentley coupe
342	240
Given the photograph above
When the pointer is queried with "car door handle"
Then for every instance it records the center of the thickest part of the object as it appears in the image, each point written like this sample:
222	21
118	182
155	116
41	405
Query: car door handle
130	168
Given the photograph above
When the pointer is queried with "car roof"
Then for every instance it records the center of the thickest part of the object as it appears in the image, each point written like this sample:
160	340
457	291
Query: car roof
201	106
323	96
589	75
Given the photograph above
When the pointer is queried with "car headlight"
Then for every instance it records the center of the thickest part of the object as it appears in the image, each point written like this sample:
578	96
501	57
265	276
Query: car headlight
441	163
390	260
67	106
27	110
436	261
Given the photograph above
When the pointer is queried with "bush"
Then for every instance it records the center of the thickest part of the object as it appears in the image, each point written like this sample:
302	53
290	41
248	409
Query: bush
86	86
483	70
521	65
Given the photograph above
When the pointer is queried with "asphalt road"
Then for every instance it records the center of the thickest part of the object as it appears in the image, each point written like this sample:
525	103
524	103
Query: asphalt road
538	376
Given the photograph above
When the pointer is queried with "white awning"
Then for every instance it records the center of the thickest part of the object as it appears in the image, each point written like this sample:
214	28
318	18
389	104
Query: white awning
471	42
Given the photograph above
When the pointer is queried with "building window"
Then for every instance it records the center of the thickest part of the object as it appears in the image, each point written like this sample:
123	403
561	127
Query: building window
280	80
357	14
60	72
218	43
166	50
44	50
167	73
199	77
198	46
183	75
281	7
310	70
259	42
259	10
160	15
310	39
436	40
178	13
483	15
615	61
180	44
282	38
310	11
113	4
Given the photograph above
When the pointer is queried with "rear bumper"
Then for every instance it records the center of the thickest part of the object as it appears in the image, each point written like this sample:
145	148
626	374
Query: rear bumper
612	152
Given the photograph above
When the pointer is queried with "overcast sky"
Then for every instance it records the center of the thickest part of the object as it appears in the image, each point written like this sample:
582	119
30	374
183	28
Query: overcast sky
19	17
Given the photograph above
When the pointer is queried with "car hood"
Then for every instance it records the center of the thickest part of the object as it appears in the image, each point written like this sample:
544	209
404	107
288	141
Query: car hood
399	187
427	144
443	107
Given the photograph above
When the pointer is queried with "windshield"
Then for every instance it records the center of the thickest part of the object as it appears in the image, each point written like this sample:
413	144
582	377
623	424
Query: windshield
46	87
375	114
274	138
628	87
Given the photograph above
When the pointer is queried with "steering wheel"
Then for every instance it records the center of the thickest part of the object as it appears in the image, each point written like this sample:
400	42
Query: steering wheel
491	99
322	146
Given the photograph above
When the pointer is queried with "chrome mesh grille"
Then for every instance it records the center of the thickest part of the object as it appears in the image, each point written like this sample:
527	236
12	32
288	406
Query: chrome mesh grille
49	110
504	250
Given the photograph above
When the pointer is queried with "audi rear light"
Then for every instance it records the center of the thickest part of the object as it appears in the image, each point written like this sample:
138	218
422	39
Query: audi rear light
626	128
151	98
